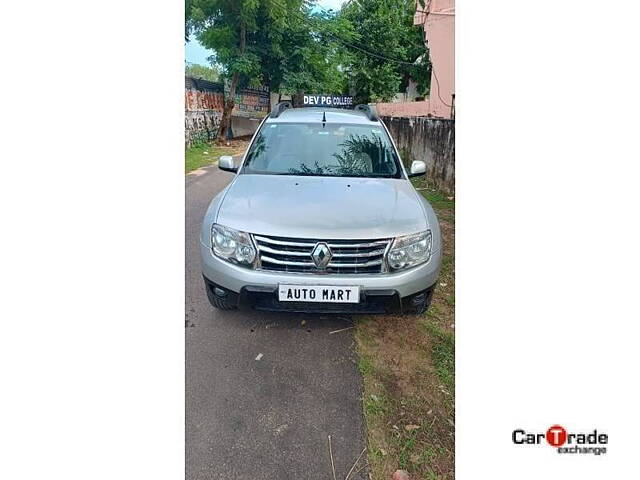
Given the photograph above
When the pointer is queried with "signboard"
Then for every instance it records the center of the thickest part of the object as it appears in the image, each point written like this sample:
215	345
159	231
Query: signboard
334	101
252	102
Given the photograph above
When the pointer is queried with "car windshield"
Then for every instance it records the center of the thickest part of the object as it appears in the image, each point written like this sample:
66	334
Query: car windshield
337	150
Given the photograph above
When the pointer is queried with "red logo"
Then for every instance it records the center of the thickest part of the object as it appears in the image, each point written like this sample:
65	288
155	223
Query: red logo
556	436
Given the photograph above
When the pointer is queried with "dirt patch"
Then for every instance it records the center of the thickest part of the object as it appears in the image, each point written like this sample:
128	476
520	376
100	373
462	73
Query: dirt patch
239	143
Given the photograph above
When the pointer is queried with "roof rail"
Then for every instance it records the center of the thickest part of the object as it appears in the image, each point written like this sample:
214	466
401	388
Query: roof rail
369	110
279	108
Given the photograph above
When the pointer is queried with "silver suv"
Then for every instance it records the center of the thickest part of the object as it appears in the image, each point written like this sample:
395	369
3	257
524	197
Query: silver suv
321	217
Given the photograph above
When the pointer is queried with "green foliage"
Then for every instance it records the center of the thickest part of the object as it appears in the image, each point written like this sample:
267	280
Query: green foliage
384	27
235	30
286	45
200	71
299	59
294	48
230	28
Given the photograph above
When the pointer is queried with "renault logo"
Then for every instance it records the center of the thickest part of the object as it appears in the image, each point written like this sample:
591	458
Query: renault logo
321	255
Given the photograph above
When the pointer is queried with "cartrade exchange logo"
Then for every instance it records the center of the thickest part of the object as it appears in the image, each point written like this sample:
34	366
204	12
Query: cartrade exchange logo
556	436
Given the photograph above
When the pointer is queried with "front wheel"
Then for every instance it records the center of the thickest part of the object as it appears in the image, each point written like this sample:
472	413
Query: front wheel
221	303
419	303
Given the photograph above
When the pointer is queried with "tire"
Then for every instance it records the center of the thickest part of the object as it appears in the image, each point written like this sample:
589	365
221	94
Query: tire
423	305
219	302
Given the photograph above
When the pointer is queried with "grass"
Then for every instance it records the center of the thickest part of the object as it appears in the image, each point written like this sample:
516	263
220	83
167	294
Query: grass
408	367
205	154
442	353
444	204
438	200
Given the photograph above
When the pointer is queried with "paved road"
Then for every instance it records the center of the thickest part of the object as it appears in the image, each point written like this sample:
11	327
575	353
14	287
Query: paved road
266	419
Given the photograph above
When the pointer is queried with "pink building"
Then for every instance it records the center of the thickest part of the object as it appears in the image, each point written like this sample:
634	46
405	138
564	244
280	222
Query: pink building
437	18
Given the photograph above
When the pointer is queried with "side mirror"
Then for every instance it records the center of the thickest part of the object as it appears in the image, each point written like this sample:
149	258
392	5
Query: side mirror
418	168
226	163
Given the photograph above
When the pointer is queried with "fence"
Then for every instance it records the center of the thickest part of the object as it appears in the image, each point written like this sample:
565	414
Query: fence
430	140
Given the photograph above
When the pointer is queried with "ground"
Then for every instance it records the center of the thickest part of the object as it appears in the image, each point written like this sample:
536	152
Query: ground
204	154
407	364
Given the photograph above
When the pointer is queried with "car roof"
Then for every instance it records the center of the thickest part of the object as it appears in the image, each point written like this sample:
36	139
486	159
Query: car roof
314	115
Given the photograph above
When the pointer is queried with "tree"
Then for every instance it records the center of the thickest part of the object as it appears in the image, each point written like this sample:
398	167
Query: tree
231	28
384	28
200	71
293	48
300	56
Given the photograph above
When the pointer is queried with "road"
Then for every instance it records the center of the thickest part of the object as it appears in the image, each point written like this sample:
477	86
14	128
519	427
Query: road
267	418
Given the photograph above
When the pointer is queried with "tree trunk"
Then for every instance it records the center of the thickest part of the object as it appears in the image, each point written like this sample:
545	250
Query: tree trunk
229	103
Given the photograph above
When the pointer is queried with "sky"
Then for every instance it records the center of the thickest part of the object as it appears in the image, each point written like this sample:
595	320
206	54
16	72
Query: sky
196	53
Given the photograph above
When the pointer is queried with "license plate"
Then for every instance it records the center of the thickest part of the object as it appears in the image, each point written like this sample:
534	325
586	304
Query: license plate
318	293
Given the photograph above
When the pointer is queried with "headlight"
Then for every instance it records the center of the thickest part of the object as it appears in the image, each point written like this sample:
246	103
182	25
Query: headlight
232	245
410	250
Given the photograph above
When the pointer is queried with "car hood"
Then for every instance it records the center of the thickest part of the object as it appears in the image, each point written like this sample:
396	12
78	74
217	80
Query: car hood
322	207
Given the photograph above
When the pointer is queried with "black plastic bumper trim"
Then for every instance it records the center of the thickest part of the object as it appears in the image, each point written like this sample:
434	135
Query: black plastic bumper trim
264	298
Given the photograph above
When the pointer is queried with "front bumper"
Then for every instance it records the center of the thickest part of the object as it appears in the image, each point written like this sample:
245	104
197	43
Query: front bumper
266	298
258	288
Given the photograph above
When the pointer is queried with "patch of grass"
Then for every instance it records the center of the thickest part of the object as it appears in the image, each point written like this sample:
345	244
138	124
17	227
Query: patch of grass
451	300
442	353
438	200
407	364
375	404
448	262
435	310
365	366
205	154
407	446
201	156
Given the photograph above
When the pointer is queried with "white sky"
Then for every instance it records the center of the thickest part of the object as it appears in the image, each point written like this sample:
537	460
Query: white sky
327	4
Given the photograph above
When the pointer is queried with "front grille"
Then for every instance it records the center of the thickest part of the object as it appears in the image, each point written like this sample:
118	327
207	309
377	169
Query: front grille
294	255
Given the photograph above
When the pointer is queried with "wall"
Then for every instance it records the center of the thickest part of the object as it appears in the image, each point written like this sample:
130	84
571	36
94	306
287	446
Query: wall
252	105
243	126
204	103
252	102
403	109
430	140
438	21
